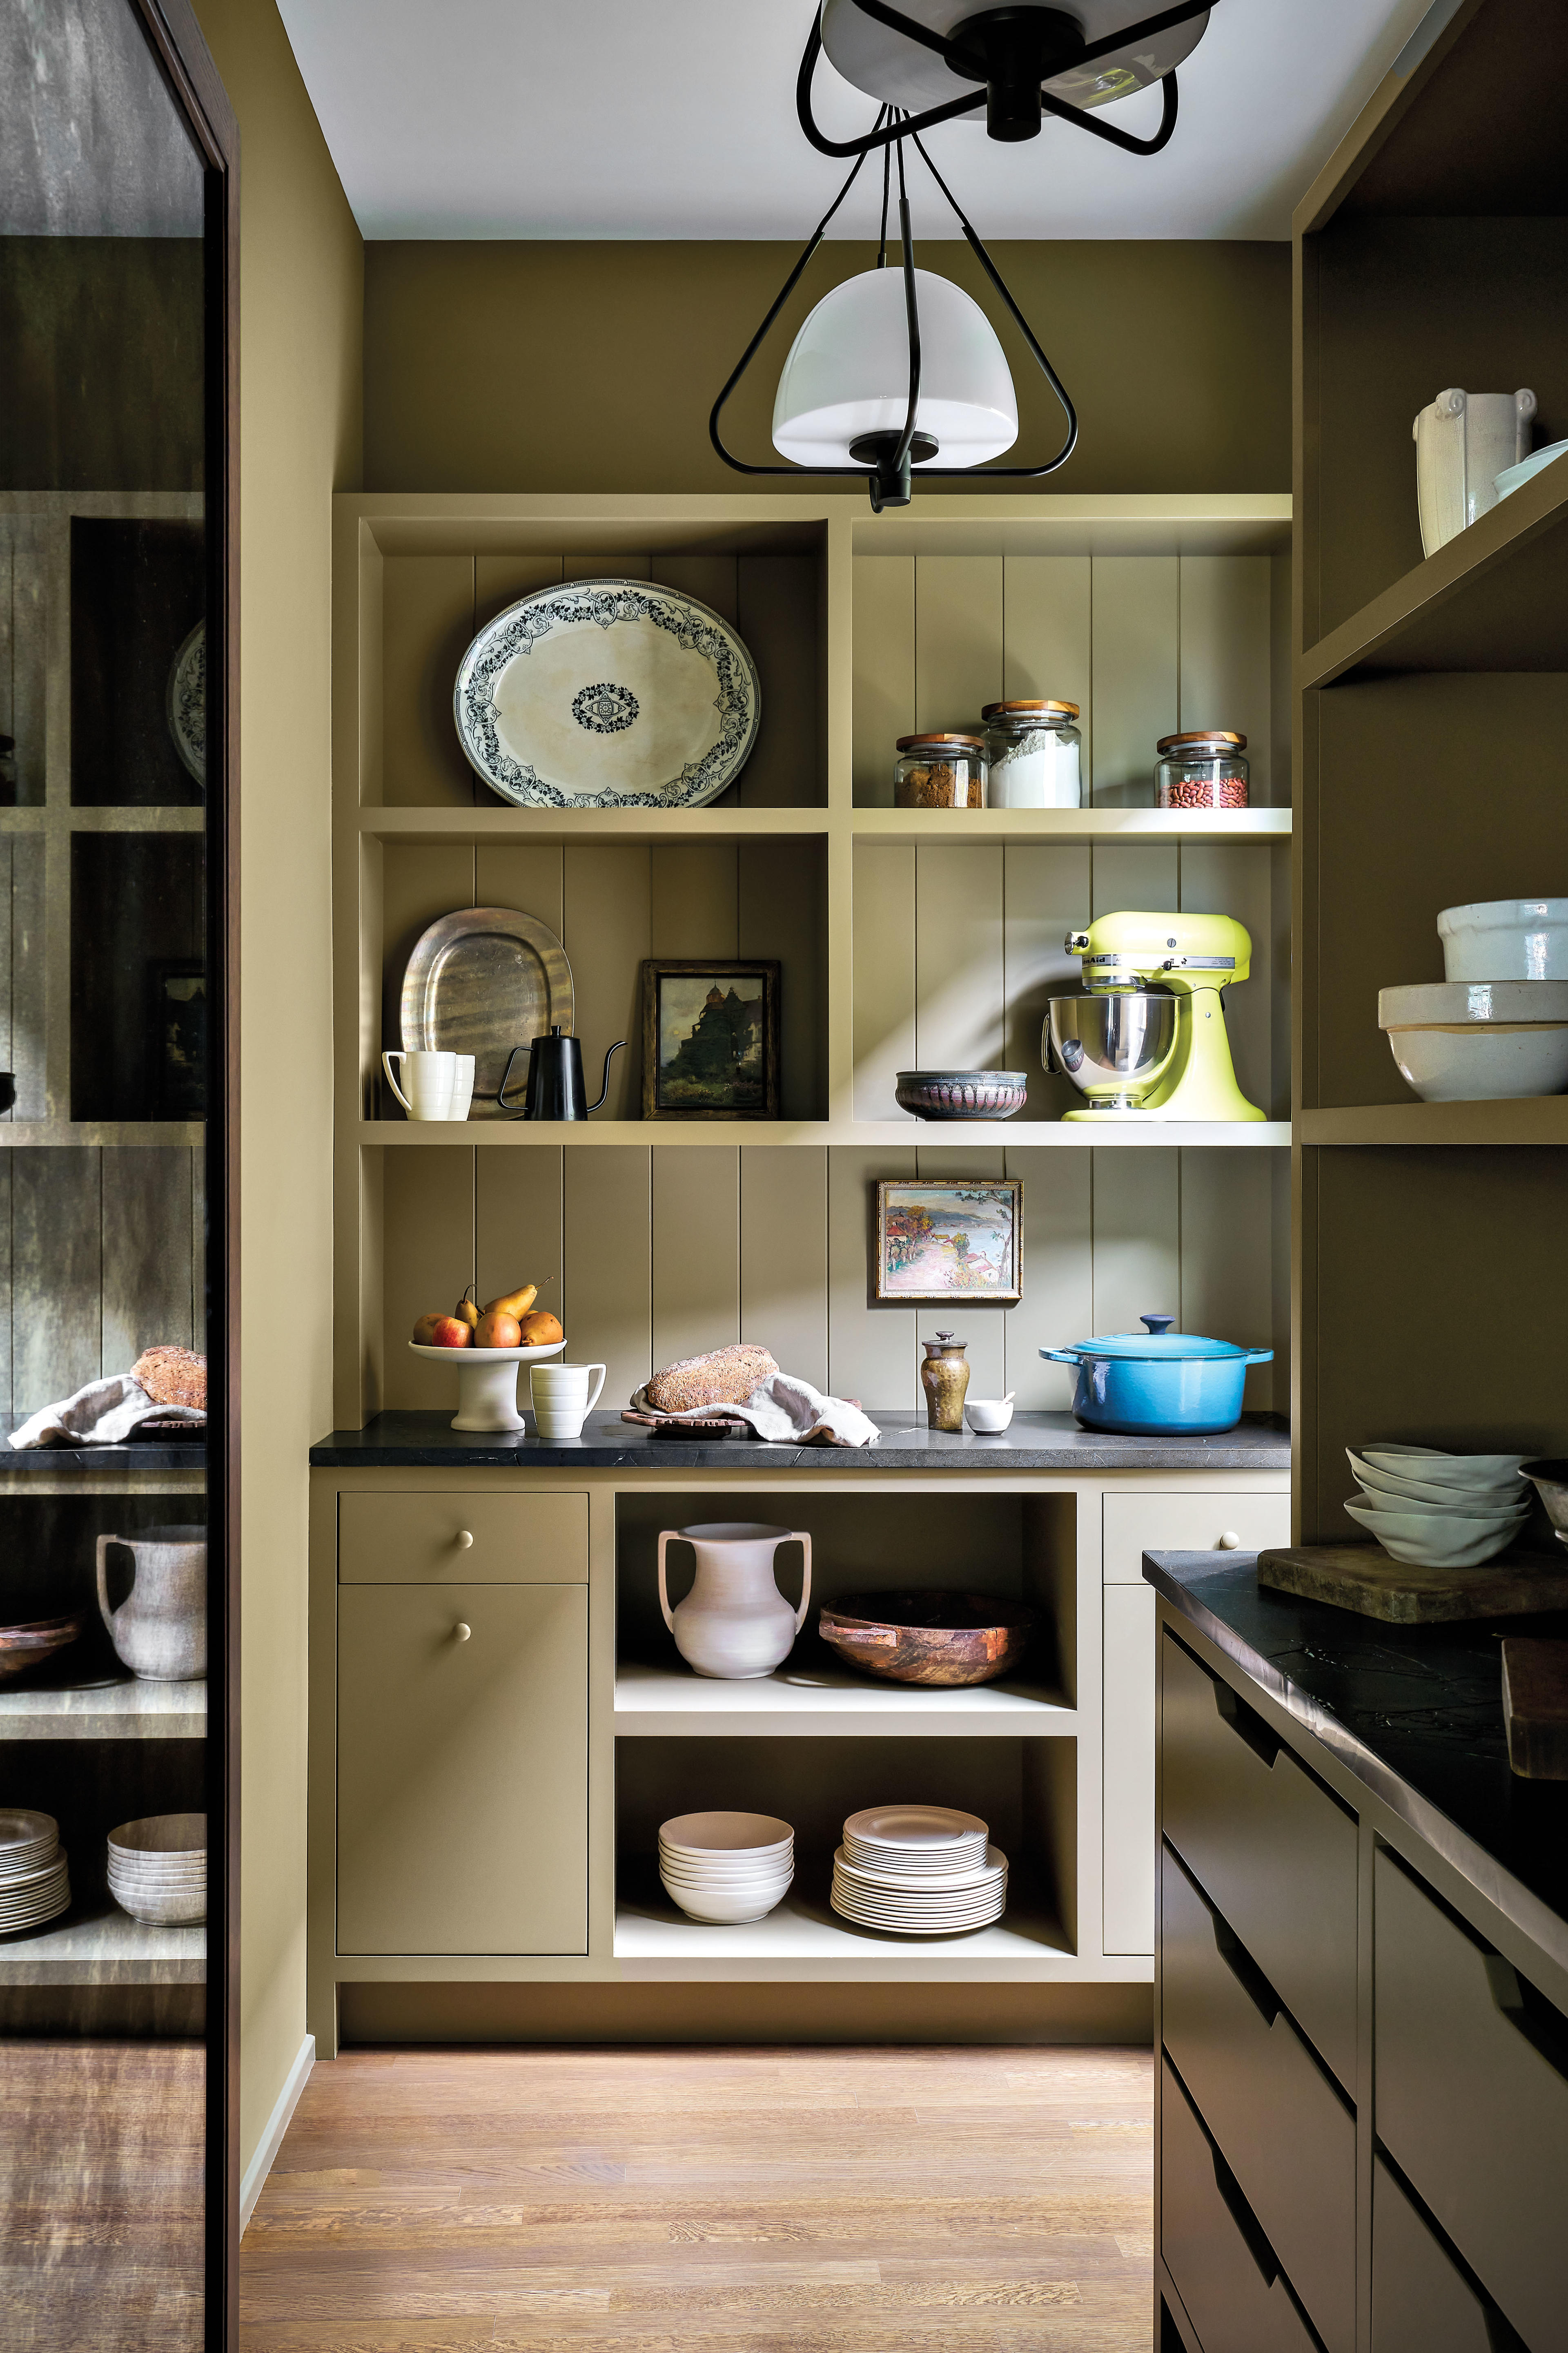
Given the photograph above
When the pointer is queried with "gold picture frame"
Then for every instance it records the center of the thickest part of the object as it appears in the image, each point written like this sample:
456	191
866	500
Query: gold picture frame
950	1241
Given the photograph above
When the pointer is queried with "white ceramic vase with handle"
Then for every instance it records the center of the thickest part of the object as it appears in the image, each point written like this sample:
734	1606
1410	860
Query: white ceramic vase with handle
734	1624
160	1629
1463	441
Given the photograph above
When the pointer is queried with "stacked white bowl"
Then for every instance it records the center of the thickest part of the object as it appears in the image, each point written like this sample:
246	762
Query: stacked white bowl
726	1867
919	1870
1496	1026
158	1869
1433	1510
34	1884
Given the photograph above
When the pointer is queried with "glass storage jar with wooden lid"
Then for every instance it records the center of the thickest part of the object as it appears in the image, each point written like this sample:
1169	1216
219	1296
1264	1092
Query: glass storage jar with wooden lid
940	772
1034	754
1202	770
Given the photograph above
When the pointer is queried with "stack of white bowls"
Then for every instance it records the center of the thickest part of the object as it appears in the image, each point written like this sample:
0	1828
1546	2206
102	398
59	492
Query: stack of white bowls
34	1883
1433	1510
726	1867
919	1870
158	1869
1496	1025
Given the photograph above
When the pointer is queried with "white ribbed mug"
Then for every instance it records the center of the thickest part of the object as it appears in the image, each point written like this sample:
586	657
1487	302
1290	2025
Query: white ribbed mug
440	1085
563	1400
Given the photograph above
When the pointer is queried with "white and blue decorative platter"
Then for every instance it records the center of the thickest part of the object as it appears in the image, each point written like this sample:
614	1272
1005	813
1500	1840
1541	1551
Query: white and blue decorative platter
185	703
608	695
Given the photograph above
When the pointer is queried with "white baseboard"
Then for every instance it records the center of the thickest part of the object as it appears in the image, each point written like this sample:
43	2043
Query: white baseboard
255	2175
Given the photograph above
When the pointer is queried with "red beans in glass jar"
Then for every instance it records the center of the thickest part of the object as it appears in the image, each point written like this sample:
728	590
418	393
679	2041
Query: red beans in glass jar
1202	770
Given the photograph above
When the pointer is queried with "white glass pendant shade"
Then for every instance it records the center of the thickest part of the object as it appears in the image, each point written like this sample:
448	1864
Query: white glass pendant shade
848	373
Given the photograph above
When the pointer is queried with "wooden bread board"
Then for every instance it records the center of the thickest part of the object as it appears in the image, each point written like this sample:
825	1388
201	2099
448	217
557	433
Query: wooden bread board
1535	1708
1361	1576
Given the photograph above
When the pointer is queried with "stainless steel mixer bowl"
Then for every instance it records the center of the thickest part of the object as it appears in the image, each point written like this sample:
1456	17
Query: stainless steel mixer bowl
1114	1048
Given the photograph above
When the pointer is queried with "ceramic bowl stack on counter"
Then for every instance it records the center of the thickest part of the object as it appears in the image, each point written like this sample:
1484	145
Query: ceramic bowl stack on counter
1496	1026
726	1867
1433	1510
919	1870
158	1869
35	1885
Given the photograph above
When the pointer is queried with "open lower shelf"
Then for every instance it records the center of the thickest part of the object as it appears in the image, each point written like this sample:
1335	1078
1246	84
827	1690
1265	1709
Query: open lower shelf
100	1945
129	1711
1011	1135
1526	1119
804	1938
655	1700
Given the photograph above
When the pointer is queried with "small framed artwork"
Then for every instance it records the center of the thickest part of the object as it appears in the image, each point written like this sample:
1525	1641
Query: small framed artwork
179	1057
711	1038
948	1241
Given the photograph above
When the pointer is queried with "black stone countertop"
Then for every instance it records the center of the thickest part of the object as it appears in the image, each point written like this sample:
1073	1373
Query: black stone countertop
1413	1712
1036	1441
55	1459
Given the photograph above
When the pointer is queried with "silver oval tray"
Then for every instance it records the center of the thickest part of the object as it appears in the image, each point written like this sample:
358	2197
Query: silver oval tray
481	982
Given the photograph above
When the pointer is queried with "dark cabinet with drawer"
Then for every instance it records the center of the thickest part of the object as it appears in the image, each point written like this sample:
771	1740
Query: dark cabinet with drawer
1227	2274
1421	2300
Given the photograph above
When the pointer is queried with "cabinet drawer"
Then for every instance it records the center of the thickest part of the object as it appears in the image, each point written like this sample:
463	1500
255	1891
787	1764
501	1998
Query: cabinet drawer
420	1539
1276	1853
1134	1525
1225	2271
1421	2300
1469	2104
1248	2069
462	1768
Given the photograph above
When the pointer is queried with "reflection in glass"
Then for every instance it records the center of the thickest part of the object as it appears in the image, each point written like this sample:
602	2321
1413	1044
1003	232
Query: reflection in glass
102	1242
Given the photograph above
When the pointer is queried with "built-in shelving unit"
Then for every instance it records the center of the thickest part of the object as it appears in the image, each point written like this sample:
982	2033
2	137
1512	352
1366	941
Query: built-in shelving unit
105	1947
803	1939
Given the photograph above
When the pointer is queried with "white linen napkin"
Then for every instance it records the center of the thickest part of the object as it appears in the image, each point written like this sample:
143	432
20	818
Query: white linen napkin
787	1410
104	1413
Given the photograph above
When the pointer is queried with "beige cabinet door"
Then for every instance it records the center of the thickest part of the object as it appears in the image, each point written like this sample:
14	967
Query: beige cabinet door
462	1768
1133	1524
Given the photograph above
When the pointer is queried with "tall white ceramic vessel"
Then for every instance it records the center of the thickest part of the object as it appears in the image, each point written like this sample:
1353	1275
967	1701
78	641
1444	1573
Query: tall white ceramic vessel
734	1624
1463	441
160	1629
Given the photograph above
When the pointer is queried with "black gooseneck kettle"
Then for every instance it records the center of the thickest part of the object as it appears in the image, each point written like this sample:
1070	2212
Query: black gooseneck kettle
556	1089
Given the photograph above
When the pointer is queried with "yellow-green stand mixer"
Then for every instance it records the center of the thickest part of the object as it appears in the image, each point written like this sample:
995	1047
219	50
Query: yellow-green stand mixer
1147	1040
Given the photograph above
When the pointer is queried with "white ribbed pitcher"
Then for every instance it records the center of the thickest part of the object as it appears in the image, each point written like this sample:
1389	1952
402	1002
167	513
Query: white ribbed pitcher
734	1623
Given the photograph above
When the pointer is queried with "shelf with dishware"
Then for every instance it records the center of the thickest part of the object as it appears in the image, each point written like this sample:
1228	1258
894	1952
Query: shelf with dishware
647	828
664	1700
98	1945
804	1938
127	1711
1523	1120
860	1135
1073	827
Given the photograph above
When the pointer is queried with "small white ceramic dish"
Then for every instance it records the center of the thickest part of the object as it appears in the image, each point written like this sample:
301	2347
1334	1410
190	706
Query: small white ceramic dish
921	1830
1430	1541
1514	478
696	1876
1505	939
487	1381
725	1834
986	1416
1444	1470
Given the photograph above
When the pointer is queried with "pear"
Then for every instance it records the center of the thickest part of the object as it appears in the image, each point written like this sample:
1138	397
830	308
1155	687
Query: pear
515	1304
465	1310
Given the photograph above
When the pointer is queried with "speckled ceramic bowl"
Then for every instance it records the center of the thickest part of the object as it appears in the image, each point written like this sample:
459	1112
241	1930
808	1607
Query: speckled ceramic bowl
962	1094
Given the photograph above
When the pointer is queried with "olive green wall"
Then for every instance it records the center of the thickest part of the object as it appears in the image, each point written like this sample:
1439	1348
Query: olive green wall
300	305
514	366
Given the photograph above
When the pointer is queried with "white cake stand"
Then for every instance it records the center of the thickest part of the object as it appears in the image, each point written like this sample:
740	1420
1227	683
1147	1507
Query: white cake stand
487	1381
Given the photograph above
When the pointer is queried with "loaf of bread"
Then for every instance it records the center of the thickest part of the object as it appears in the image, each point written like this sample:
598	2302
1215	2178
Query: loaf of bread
172	1376
727	1377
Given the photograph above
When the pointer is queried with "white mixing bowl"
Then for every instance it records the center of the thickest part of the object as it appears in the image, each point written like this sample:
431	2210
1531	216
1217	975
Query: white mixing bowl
1506	939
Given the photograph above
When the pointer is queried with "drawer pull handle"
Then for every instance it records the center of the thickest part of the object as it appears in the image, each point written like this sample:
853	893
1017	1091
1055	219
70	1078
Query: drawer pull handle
1229	1541
463	1539
1246	1721
460	1632
1539	2022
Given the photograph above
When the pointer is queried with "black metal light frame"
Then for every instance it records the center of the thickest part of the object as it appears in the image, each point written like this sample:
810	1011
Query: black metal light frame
1017	47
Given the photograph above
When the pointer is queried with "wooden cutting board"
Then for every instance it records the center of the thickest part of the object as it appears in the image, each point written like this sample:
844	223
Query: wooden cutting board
1535	1708
1362	1578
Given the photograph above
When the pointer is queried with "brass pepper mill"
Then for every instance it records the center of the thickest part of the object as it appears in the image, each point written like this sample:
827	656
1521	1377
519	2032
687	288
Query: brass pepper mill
944	1376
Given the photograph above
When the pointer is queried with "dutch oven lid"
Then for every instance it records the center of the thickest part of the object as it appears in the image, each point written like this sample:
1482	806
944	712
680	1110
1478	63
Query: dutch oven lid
1158	1342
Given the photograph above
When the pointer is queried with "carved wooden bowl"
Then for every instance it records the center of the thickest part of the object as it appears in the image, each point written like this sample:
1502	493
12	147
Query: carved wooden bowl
930	1637
27	1646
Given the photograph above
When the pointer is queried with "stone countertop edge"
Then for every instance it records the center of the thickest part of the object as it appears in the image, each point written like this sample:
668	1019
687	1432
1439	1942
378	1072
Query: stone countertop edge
398	1439
1179	1578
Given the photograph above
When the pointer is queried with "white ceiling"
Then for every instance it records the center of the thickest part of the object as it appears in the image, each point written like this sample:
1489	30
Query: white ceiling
676	119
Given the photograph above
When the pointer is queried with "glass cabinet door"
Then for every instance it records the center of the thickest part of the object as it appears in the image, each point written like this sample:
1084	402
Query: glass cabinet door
115	1481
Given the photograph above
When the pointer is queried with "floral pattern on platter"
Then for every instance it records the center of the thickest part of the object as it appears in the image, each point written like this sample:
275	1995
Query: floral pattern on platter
692	626
185	703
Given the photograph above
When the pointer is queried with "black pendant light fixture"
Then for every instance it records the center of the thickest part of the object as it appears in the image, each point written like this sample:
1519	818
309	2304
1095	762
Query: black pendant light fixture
894	369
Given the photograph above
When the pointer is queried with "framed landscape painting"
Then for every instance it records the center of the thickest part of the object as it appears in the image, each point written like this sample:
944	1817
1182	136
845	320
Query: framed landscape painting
711	1038
948	1241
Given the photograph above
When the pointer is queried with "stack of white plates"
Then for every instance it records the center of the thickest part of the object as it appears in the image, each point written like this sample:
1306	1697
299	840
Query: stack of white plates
919	1870
158	1869
726	1867
34	1884
1433	1510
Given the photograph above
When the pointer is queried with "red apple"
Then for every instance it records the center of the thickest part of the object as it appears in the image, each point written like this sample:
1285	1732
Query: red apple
441	1332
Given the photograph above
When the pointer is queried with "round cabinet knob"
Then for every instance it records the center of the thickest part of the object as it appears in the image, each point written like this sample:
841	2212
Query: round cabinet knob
1229	1541
464	1539
460	1632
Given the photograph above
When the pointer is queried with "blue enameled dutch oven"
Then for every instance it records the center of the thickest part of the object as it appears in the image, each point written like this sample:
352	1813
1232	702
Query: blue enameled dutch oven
1153	1383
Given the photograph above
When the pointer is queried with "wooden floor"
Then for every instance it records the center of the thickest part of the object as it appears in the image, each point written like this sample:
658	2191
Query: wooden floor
696	2201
